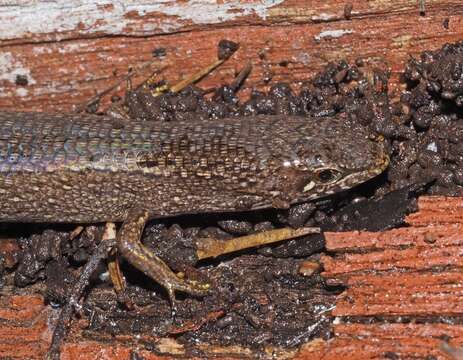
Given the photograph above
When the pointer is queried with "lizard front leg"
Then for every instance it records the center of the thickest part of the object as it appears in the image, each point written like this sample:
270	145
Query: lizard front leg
131	248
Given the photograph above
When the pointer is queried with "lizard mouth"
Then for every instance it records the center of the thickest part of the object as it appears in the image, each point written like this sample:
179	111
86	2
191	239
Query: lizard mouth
358	177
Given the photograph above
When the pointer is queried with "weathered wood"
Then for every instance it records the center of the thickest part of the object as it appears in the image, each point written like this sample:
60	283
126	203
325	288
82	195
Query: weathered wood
44	21
70	51
26	326
408	273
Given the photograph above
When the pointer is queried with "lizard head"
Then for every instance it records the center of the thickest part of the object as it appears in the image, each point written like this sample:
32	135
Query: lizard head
326	156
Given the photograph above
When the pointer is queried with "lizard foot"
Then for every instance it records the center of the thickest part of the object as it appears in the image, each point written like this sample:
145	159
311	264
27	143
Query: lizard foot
131	248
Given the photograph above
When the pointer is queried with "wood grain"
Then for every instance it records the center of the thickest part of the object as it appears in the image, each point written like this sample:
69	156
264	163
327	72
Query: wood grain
403	287
79	48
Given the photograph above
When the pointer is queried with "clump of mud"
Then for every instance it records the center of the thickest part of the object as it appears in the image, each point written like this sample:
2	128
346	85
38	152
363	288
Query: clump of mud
432	107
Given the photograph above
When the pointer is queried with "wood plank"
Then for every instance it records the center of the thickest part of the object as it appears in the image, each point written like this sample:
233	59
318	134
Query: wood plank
403	287
68	59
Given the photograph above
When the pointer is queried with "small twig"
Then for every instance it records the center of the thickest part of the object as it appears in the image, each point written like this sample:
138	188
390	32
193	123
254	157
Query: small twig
207	248
76	232
115	272
226	49
126	77
242	75
196	76
108	241
422	6
118	280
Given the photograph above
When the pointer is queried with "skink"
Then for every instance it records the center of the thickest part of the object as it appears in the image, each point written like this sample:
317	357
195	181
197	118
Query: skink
86	168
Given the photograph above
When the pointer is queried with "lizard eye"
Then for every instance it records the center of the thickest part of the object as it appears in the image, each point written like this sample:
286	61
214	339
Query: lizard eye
326	176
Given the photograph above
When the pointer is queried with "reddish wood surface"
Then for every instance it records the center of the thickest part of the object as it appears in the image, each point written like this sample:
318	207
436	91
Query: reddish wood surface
408	273
26	326
68	59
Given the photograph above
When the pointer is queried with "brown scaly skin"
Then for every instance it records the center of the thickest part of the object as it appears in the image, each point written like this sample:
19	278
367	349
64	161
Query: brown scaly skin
85	169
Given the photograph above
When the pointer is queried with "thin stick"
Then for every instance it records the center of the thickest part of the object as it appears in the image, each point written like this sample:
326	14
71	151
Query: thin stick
59	334
76	232
422	6
242	75
126	77
118	280
115	273
207	248
196	76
